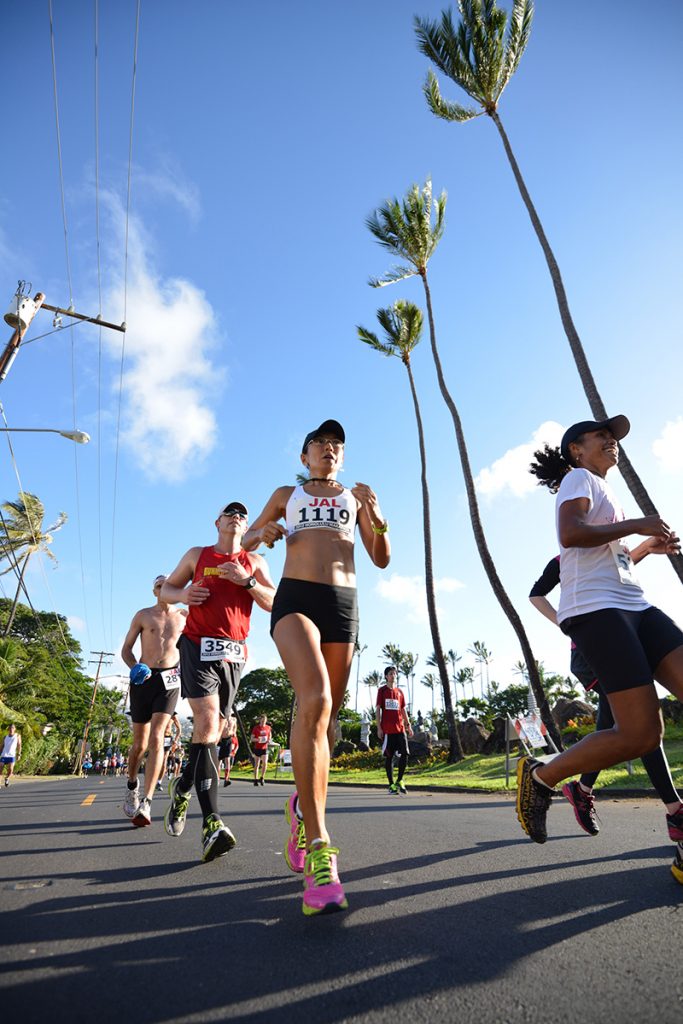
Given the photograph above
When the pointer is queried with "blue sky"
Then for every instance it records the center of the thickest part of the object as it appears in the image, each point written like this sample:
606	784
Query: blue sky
262	140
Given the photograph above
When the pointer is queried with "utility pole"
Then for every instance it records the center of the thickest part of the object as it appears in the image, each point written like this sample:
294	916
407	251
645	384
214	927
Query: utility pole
21	327
101	655
23	312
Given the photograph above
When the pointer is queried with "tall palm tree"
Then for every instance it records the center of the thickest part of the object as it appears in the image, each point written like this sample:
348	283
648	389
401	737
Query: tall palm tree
483	657
452	658
430	681
402	325
373	681
405	228
481	58
408	663
22	535
394	655
466	675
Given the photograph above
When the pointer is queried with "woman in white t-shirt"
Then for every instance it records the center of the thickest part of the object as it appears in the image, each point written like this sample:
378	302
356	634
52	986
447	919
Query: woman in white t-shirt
603	609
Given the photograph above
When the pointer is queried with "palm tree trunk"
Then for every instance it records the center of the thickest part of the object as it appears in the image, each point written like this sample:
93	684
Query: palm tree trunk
597	407
20	584
480	539
455	753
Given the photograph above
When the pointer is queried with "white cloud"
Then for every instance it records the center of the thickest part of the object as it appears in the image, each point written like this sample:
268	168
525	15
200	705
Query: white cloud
170	384
75	623
169	183
511	471
409	592
668	449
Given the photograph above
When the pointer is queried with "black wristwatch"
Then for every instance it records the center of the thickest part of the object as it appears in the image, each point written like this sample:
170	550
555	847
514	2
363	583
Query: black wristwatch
251	583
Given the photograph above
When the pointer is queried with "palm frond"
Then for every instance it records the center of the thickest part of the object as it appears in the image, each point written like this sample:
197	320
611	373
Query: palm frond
392	277
519	32
442	45
444	108
368	338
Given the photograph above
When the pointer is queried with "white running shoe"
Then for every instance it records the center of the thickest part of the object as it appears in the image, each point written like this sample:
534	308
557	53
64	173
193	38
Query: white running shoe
144	814
132	801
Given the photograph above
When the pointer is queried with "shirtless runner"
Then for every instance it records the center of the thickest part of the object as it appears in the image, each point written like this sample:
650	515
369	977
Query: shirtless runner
154	690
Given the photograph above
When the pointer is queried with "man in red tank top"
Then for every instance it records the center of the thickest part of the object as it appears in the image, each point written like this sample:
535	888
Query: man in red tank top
219	584
392	725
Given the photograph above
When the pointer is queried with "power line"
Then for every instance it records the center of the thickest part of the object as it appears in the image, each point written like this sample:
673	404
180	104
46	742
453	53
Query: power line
71	302
59	150
99	309
125	303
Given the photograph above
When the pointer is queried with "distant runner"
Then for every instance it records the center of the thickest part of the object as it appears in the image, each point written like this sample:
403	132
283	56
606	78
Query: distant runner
261	736
154	689
227	748
11	751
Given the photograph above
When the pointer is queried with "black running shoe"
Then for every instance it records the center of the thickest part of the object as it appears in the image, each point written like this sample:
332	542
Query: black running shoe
217	838
677	866
533	800
584	807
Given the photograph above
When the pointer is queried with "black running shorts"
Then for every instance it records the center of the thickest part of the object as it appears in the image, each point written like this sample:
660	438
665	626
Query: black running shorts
395	743
334	610
624	648
582	670
202	678
151	698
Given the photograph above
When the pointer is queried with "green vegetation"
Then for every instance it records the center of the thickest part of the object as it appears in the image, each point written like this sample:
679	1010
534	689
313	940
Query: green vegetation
485	773
45	693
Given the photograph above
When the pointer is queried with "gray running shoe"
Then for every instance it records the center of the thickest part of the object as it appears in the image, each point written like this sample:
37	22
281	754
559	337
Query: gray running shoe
132	801
174	819
217	839
533	800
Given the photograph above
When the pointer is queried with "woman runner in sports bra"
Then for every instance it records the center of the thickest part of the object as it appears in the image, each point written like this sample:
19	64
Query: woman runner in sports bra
314	624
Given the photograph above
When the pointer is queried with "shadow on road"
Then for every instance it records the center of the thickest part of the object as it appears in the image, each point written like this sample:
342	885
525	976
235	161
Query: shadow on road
151	951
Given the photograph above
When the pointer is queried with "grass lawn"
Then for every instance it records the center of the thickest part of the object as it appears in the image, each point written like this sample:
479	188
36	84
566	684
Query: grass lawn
488	773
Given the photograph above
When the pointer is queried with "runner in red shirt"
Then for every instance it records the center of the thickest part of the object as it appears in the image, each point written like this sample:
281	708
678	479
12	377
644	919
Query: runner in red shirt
392	725
261	736
220	584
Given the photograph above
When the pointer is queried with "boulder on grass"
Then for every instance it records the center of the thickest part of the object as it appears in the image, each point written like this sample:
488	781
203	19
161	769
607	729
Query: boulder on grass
566	709
495	741
473	736
672	710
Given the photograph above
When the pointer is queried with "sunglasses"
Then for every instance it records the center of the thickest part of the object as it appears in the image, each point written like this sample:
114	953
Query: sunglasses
232	512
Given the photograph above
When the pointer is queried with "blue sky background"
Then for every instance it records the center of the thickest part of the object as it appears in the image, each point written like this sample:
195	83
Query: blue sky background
263	138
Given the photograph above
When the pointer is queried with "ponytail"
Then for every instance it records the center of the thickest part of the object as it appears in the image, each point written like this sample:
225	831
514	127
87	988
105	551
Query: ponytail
550	466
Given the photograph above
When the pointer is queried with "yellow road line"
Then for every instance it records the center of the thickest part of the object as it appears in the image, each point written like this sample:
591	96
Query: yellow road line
90	799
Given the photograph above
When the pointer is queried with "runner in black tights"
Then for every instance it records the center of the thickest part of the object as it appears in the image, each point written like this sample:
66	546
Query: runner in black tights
580	794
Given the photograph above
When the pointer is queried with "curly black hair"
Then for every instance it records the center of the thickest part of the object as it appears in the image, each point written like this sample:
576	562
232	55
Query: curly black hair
550	466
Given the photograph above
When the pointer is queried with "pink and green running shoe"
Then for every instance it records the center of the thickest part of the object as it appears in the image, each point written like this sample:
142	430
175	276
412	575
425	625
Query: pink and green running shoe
323	893
295	847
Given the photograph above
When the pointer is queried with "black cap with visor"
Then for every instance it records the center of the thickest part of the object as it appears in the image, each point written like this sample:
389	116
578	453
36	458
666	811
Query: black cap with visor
330	427
618	427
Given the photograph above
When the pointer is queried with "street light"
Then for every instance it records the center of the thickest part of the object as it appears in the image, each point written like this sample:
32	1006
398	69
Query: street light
79	436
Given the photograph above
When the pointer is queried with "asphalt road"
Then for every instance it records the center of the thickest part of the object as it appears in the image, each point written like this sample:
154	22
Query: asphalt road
454	914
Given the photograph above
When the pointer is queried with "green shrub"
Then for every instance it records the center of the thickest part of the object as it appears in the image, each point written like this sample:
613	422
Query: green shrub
360	760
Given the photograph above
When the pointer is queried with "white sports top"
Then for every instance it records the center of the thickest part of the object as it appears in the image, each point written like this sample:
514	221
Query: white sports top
603	576
9	748
307	511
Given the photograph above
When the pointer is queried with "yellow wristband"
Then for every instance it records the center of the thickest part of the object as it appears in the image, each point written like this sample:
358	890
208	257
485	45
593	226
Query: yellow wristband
379	530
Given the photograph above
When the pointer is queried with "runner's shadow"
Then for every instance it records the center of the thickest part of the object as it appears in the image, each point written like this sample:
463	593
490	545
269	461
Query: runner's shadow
163	939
